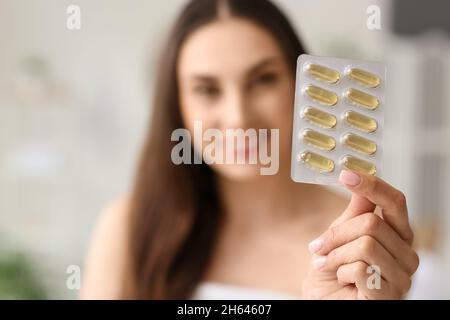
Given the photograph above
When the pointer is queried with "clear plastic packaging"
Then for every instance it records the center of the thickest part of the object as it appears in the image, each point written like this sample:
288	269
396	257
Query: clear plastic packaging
338	118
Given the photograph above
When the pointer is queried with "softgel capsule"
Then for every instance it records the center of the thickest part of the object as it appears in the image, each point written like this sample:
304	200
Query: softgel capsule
338	118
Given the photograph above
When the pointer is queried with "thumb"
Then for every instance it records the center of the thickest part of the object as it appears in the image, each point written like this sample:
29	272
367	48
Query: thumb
358	204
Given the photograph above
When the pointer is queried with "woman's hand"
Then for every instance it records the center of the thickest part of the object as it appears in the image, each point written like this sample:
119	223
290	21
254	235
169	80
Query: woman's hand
364	254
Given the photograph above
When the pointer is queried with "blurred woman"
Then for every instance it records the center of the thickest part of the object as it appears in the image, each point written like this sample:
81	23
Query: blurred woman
221	230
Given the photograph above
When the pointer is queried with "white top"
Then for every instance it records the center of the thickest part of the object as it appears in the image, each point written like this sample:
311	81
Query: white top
427	284
221	291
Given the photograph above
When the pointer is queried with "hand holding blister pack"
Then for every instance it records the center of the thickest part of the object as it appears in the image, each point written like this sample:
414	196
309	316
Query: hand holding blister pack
338	118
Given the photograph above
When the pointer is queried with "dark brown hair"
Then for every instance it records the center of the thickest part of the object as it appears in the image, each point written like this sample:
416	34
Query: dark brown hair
175	210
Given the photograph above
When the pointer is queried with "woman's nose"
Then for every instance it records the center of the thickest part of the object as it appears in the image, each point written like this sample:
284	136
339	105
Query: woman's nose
234	113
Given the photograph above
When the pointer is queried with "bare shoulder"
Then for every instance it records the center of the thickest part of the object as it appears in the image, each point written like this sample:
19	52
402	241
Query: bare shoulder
105	265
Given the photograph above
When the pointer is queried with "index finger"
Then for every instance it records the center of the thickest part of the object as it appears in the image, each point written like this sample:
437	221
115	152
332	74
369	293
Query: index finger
358	205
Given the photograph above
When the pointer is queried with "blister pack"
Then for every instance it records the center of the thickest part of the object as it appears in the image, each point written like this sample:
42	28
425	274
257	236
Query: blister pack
338	118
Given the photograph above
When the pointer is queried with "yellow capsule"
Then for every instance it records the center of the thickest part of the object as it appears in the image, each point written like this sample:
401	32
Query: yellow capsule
360	121
358	143
319	140
319	118
365	78
359	165
317	162
323	73
322	96
362	99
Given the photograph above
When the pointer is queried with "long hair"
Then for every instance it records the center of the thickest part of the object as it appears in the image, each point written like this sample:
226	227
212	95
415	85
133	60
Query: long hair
175	210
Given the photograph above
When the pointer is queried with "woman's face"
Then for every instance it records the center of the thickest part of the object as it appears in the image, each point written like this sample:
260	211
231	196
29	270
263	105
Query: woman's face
233	75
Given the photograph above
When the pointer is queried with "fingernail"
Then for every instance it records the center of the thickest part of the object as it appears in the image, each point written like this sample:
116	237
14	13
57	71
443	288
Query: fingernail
319	262
349	178
315	245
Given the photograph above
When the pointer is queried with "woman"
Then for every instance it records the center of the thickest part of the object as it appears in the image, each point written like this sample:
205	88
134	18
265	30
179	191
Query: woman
231	64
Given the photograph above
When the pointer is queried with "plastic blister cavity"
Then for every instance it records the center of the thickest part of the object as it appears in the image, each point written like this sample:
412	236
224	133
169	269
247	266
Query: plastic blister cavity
338	118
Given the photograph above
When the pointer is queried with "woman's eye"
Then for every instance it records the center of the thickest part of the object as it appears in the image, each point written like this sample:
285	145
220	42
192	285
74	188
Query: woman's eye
265	79
207	91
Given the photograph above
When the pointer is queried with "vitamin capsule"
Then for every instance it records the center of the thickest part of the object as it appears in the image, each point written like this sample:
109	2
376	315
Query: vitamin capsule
323	73
360	121
321	95
362	99
319	140
319	118
317	162
365	78
358	143
359	165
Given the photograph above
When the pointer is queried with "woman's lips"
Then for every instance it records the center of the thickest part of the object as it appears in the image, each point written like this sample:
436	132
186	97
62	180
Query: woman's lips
248	148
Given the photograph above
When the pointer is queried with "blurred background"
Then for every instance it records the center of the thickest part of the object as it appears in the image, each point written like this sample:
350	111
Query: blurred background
74	105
